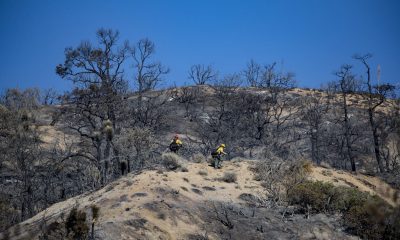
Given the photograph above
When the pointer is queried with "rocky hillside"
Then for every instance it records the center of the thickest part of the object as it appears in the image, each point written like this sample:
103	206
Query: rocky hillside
195	201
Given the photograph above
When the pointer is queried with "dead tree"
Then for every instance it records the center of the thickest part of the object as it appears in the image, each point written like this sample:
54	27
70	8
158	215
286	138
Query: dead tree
201	74
376	96
20	147
93	107
147	110
187	96
268	76
253	73
347	85
313	112
148	74
217	125
136	146
49	96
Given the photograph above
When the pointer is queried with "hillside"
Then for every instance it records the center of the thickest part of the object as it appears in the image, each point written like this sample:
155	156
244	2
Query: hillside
159	204
75	162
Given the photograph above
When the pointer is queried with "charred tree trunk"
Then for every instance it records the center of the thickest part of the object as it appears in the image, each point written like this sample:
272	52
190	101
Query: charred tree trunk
347	134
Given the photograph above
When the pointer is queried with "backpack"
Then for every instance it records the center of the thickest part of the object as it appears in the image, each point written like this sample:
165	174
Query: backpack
214	153
173	146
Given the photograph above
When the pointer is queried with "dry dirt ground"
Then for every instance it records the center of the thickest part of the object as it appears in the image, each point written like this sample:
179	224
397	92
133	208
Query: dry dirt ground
159	204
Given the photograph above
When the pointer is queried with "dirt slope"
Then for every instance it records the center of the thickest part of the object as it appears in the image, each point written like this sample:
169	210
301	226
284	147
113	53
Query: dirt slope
190	205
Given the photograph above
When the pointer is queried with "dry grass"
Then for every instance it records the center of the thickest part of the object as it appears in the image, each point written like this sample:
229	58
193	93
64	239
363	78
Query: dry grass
229	177
198	158
171	161
202	173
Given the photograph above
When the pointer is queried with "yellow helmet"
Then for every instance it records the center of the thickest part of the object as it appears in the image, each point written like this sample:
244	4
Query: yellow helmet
222	145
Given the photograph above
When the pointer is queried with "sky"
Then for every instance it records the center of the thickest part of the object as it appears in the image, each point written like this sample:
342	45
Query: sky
311	38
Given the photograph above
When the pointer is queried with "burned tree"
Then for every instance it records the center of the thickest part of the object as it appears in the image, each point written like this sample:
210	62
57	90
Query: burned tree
20	148
49	96
148	74
376	96
313	112
268	76
346	85
136	146
253	73
218	125
188	97
201	74
147	108
93	108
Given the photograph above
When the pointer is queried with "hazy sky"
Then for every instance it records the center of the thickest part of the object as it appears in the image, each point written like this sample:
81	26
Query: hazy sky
311	38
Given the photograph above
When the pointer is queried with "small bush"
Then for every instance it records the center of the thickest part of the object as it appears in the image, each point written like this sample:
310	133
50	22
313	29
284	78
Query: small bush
139	194
171	161
229	177
203	173
161	216
198	158
184	169
278	177
311	194
95	211
207	188
197	191
327	173
345	198
76	225
306	166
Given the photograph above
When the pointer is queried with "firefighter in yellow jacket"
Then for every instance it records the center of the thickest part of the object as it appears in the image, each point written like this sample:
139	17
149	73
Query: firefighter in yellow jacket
175	145
217	155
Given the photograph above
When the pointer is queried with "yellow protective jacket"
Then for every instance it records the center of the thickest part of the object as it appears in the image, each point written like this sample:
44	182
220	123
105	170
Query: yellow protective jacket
177	141
220	151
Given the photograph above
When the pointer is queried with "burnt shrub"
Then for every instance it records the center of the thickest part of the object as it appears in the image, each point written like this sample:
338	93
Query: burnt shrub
392	230
76	225
367	220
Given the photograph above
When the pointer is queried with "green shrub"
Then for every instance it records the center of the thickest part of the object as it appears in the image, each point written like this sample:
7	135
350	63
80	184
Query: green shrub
345	198
367	216
314	195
